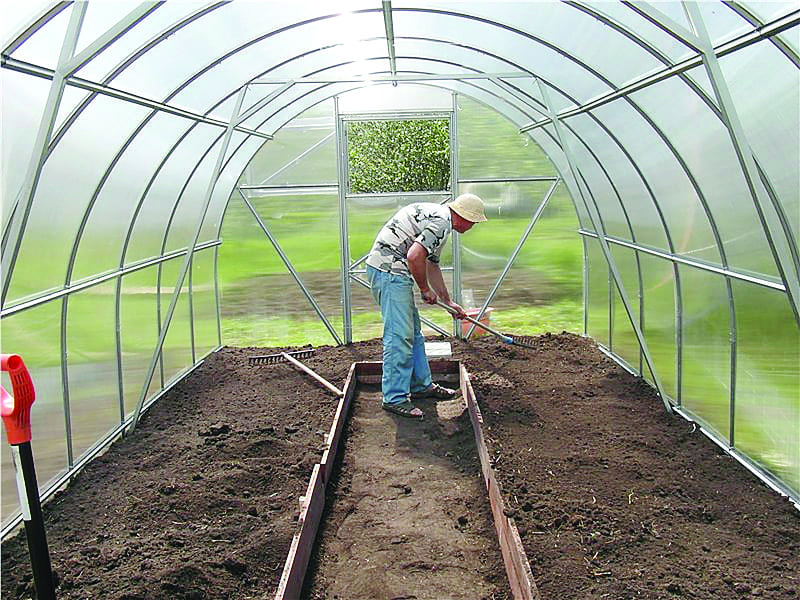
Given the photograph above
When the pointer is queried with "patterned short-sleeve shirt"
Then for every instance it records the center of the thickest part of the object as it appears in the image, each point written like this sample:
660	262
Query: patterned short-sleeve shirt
424	222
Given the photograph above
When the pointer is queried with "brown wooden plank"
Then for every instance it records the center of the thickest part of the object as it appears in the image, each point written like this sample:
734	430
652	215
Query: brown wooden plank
294	570
332	439
516	562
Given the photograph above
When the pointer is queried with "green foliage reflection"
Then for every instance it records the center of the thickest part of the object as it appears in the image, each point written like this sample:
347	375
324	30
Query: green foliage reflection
398	156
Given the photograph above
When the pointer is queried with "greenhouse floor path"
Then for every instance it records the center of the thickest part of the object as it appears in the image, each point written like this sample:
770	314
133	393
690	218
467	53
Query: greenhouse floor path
407	515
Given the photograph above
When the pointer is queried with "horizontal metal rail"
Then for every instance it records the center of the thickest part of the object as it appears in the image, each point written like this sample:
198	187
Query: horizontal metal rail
78	287
688	261
395	194
291	187
393	78
509	179
91	86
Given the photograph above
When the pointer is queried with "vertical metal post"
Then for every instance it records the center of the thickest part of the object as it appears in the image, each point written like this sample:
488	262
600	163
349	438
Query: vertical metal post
585	285
596	224
344	238
453	193
19	219
188	259
191	312
217	296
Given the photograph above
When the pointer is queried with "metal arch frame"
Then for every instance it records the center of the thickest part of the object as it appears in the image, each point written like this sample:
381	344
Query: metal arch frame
606	250
700	41
187	260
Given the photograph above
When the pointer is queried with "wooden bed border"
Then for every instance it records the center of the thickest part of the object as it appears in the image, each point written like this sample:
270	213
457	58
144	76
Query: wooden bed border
313	503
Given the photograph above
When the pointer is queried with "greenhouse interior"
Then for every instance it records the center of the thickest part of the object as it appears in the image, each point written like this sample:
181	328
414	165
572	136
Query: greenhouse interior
180	177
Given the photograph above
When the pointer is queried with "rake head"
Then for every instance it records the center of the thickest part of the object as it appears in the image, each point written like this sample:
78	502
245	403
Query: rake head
524	340
269	359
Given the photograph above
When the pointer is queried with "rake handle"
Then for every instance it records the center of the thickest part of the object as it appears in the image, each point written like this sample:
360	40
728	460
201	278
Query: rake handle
505	338
323	381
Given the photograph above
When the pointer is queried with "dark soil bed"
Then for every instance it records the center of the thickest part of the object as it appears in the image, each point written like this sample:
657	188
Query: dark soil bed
613	498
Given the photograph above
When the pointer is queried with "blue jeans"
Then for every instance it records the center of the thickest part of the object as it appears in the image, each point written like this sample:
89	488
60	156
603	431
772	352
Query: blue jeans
405	366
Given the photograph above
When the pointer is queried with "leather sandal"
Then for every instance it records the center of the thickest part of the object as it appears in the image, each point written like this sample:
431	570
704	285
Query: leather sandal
403	409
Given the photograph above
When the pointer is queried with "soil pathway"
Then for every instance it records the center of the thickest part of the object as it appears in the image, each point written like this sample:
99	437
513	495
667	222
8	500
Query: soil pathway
407	515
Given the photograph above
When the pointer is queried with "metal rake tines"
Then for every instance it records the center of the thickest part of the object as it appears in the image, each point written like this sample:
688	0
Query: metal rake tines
269	359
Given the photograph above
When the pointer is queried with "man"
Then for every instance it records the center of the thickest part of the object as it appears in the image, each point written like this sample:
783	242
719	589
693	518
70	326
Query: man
407	250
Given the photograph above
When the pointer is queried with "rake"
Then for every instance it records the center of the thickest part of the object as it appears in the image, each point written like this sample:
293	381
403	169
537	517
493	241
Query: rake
524	341
269	359
291	357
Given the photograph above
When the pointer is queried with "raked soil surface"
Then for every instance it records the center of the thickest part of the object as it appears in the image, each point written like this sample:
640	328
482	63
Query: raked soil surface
613	498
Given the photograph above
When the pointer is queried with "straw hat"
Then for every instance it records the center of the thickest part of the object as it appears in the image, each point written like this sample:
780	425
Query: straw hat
469	207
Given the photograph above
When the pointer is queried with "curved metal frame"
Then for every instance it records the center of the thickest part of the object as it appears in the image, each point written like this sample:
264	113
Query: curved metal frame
773	221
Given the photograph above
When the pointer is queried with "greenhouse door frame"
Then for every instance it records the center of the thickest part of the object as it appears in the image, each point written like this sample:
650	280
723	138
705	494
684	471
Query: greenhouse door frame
353	270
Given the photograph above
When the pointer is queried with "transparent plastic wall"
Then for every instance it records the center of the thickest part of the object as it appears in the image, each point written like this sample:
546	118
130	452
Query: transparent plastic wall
701	269
291	184
531	218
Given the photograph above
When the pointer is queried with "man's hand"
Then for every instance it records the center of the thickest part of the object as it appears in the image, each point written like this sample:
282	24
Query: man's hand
428	296
458	312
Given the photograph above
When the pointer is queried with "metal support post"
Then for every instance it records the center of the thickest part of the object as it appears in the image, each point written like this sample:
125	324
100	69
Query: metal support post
344	238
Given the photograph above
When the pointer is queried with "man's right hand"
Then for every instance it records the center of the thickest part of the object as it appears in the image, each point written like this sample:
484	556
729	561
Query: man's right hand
428	296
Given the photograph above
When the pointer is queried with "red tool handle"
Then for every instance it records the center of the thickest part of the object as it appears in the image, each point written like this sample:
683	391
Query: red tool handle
16	409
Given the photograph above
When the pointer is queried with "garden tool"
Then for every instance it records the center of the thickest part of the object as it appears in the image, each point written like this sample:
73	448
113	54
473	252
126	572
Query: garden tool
268	359
524	341
290	358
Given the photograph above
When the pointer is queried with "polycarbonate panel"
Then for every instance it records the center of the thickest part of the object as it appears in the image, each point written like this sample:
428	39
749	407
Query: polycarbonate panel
149	227
485	249
44	47
767	418
542	291
601	191
177	350
147	30
721	22
597	282
139	331
671	185
705	145
766	11
640	206
658	301
204	303
92	365
187	207
22	102
304	151
68	179
774	134
35	335
628	20
108	222
385	97
502	41
706	351
623	337
261	302
157	73
490	146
